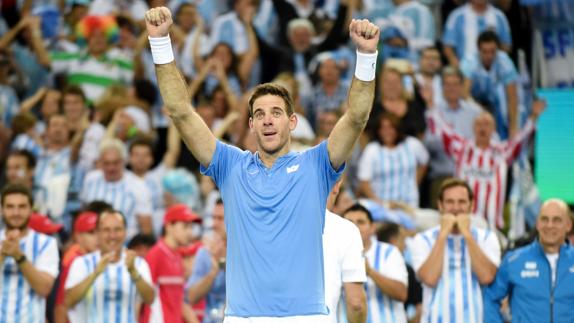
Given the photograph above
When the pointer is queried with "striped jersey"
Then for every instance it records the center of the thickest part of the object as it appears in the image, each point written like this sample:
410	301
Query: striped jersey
18	301
457	296
229	29
112	297
92	74
25	142
485	170
153	180
463	26
52	163
129	195
387	260
418	23
392	172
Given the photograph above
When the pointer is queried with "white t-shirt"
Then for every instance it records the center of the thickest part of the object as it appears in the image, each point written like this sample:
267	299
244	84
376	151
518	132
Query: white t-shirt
112	297
18	302
458	285
387	260
343	258
553	261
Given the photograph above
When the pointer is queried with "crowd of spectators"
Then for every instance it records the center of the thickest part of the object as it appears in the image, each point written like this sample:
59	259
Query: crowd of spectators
83	129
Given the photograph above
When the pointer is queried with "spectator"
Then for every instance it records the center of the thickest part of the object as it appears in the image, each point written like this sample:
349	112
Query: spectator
482	162
459	114
20	166
537	277
208	275
492	80
454	260
188	18
393	98
344	265
428	77
166	267
387	276
88	284
393	165
119	187
8	97
96	68
141	244
396	235
85	241
418	22
128	123
29	260
24	135
464	24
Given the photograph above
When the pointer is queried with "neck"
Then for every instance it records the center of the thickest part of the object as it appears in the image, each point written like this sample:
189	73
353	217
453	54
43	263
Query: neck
330	87
170	242
452	104
428	76
139	173
269	159
551	249
482	144
479	7
56	146
367	244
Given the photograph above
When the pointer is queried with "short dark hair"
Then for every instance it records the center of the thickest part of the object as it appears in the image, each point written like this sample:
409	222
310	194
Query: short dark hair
142	141
271	89
30	158
74	90
359	208
454	182
16	188
488	36
98	207
395	122
388	231
114	211
141	239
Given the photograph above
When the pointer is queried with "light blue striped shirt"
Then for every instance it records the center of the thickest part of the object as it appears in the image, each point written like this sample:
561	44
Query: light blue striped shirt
18	301
419	22
9	104
25	142
129	195
463	27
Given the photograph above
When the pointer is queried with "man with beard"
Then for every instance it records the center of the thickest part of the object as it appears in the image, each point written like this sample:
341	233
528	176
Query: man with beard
275	199
28	260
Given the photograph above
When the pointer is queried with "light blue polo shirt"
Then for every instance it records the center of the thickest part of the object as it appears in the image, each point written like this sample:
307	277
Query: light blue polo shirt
274	220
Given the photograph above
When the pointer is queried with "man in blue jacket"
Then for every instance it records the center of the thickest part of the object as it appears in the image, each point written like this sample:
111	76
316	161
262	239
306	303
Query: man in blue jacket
538	277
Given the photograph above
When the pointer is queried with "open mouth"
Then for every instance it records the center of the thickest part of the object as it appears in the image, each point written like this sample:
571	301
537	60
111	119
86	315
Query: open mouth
269	133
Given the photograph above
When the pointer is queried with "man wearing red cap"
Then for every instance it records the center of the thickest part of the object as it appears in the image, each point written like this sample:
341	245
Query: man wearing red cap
166	267
86	241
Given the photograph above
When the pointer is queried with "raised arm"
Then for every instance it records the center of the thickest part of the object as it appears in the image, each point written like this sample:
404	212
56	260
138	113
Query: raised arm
361	95
194	132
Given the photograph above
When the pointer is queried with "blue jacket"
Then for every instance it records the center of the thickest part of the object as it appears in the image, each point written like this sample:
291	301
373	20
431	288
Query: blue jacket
525	276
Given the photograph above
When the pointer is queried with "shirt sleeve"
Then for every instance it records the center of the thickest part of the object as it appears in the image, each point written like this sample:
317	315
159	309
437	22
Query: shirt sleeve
365	170
495	292
449	33
507	69
420	152
48	260
78	272
421	248
395	267
143	269
223	160
353	264
319	155
490	246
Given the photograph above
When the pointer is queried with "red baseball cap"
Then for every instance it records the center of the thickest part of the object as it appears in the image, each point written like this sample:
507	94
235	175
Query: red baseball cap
43	224
180	213
86	222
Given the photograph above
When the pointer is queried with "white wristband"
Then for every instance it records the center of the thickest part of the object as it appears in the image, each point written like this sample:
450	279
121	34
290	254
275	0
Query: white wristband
366	66
161	51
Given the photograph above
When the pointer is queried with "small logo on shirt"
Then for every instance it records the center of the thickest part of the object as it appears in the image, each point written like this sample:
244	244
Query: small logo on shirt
572	269
531	265
292	169
529	274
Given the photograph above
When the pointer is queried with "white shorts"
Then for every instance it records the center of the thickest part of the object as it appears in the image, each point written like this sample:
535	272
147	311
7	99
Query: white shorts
286	319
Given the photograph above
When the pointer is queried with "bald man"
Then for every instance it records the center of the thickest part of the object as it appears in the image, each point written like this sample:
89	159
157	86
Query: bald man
482	162
539	277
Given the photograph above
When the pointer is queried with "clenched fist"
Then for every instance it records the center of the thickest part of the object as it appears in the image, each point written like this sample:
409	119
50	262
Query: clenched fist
365	35
157	21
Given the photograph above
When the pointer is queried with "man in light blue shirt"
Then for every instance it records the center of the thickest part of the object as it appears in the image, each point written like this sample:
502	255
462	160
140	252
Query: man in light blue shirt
492	80
275	199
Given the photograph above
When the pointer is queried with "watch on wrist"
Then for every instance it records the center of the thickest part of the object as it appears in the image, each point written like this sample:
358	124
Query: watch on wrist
19	260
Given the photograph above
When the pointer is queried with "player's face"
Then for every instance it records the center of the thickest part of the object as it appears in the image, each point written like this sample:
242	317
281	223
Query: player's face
553	225
141	158
16	211
111	232
361	220
271	124
455	200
